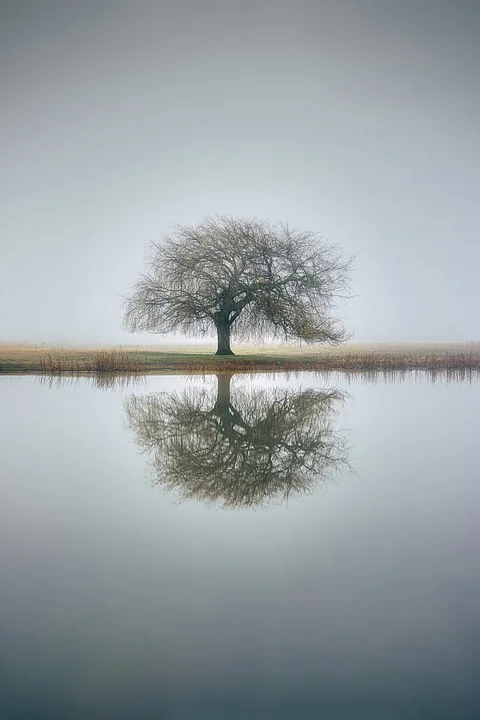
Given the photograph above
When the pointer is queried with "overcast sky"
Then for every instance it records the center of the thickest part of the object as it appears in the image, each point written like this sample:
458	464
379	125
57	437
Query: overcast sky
358	119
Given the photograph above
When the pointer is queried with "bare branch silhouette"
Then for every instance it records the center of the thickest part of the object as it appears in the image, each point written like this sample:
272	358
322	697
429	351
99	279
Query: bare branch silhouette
249	277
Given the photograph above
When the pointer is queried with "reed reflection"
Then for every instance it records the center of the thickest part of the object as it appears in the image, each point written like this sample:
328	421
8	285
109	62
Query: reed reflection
100	381
239	448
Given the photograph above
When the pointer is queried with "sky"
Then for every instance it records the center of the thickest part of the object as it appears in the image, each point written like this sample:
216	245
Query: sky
356	119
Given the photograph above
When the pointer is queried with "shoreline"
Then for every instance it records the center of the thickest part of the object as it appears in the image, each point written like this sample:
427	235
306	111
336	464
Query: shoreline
366	359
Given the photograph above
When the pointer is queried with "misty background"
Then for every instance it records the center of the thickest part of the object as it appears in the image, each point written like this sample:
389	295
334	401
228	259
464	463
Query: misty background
358	119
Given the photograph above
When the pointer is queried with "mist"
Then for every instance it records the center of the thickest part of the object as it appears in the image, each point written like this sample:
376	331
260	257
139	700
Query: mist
357	119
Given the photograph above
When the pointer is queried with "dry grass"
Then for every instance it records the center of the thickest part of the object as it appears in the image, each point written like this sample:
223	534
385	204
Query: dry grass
352	358
99	361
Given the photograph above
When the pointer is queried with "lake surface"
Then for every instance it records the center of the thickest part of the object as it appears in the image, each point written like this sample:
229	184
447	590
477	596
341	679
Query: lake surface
264	547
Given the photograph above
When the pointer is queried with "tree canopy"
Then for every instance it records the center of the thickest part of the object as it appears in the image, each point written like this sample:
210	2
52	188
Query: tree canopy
251	277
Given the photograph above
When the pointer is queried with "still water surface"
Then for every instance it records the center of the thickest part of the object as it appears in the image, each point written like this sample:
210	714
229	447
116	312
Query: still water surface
240	548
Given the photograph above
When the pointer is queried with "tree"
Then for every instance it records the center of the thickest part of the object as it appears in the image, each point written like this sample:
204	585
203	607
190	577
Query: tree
263	445
252	277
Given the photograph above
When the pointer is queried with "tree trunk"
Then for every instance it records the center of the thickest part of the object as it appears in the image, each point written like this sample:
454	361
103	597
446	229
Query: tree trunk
223	337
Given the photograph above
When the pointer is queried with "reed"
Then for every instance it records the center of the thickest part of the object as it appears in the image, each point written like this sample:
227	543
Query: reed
101	361
454	360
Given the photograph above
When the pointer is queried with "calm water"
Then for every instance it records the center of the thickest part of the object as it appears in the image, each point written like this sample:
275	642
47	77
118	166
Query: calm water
240	549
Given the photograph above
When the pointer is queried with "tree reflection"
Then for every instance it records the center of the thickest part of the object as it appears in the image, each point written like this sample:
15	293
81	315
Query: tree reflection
239	448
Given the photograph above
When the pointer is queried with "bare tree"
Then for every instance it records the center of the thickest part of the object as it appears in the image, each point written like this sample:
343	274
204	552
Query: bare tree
256	278
244	450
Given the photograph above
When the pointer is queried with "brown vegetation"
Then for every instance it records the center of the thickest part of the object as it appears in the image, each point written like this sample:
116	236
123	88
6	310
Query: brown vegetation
451	359
100	361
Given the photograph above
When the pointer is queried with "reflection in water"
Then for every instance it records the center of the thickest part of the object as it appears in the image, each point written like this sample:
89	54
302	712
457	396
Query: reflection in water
446	375
101	381
261	445
363	602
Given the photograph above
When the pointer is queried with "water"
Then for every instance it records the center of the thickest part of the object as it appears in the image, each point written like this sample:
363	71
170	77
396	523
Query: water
143	577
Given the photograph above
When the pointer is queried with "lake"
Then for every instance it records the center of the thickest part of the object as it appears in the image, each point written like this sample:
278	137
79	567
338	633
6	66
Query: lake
251	547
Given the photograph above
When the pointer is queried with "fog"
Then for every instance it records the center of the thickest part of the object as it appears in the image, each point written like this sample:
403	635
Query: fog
354	118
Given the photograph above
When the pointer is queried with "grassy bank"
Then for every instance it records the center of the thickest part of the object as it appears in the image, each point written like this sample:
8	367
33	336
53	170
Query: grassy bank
354	358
